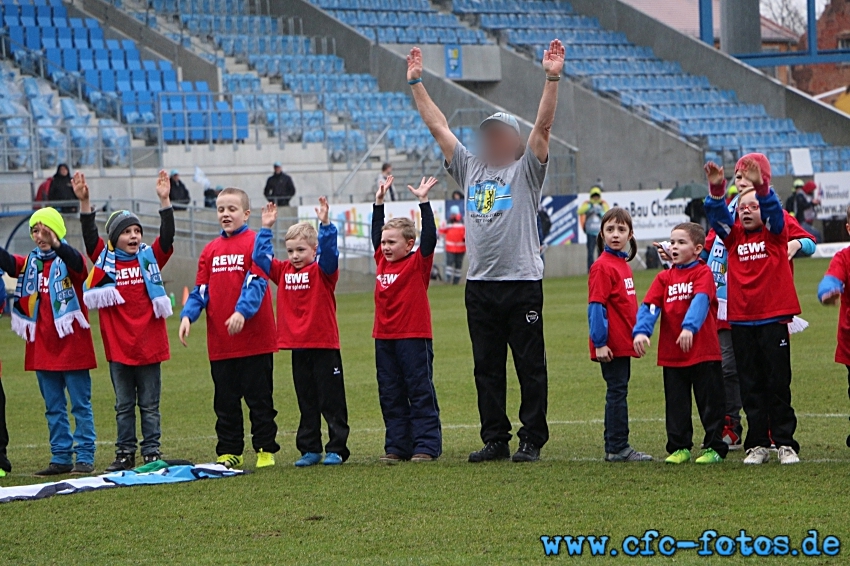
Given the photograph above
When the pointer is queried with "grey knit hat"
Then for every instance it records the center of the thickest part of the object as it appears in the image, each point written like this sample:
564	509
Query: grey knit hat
119	221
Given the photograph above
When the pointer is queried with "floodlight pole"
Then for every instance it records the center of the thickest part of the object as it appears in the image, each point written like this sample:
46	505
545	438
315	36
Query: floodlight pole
706	21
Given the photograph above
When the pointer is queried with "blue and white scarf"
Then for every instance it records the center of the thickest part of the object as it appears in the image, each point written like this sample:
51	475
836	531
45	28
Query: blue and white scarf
63	297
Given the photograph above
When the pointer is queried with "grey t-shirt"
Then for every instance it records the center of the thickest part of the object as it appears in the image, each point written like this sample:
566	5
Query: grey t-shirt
501	216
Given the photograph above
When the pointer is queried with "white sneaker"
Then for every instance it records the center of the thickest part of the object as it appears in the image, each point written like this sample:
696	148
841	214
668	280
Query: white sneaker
757	455
788	456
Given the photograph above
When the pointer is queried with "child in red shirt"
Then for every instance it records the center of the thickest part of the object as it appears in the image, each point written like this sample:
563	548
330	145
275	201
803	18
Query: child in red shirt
126	285
611	313
834	286
688	347
236	297
404	352
761	302
306	324
50	315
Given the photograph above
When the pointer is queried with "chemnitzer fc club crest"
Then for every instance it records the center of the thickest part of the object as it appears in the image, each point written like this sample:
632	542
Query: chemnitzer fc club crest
489	196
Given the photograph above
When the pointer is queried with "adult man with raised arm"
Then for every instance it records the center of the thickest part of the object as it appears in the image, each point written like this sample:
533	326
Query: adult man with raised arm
504	290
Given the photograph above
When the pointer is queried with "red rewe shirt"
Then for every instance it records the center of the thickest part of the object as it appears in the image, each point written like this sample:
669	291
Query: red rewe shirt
306	306
402	309
132	334
839	268
672	292
610	283
74	352
760	281
223	265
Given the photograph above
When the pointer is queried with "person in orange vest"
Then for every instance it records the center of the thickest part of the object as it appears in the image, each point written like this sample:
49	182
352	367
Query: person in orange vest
455	234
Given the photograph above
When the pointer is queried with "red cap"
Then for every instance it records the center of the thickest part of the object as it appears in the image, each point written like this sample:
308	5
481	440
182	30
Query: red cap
810	187
759	158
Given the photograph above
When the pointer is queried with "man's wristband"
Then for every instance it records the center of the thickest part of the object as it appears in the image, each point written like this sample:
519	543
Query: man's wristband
415	81
553	78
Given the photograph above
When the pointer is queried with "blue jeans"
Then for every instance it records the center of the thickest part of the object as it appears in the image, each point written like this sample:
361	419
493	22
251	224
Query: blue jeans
62	445
616	373
405	371
134	384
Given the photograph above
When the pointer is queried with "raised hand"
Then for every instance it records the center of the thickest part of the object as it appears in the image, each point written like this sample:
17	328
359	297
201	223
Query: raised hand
752	172
414	64
383	188
81	189
685	340
553	58
424	187
641	343
323	211
269	215
714	173
163	188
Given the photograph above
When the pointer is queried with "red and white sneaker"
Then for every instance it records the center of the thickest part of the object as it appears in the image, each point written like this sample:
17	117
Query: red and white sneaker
731	436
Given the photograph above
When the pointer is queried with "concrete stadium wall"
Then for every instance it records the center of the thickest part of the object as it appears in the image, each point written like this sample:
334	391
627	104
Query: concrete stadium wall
479	63
193	66
722	70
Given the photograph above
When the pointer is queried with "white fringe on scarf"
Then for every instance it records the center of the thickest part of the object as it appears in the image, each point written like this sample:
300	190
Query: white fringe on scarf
797	324
65	323
162	307
102	297
23	327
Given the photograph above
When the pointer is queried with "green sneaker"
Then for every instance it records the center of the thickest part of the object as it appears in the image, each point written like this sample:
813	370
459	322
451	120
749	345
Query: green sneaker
709	457
679	456
231	460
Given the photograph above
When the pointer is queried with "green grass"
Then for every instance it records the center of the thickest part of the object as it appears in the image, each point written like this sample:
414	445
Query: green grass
449	512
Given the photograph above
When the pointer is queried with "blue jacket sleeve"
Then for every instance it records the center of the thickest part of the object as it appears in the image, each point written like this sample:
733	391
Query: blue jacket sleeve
719	216
263	250
697	313
597	319
328	252
646	318
197	301
828	285
771	212
428	238
809	246
252	294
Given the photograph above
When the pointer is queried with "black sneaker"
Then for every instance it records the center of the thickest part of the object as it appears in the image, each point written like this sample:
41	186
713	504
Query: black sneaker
54	469
155	457
82	469
527	452
495	450
123	461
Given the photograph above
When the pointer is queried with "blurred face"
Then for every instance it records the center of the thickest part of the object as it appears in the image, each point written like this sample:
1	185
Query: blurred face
301	252
394	246
231	214
742	182
682	249
42	236
63	171
616	235
130	239
499	143
749	211
278	170
175	178
595	198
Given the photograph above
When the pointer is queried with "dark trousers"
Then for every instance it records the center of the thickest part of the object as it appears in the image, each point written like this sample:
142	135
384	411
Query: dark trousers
501	314
763	355
616	373
731	383
320	389
454	267
250	378
4	432
706	381
591	251
408	399
137	385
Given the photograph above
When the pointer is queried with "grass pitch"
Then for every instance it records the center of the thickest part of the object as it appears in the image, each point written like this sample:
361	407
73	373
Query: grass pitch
448	512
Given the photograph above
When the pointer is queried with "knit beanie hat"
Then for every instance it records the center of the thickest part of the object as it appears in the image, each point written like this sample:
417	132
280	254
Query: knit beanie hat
759	158
51	218
119	221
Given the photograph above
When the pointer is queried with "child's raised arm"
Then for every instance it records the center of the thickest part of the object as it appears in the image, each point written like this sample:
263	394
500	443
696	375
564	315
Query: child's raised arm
378	211
328	251
166	213
428	238
91	238
263	255
718	214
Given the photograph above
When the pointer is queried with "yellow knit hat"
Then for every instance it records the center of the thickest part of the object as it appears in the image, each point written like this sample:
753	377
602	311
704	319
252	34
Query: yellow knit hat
51	218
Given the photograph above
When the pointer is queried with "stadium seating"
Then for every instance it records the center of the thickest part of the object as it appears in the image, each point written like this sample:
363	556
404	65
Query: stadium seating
688	105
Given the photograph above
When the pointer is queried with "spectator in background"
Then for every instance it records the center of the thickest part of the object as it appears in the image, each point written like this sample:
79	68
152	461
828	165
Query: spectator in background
61	190
590	218
457	195
386	173
210	194
279	187
801	205
179	193
696	213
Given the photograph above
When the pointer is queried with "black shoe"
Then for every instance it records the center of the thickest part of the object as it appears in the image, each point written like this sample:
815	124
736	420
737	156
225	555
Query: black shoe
527	452
82	469
495	450
155	457
123	461
54	469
